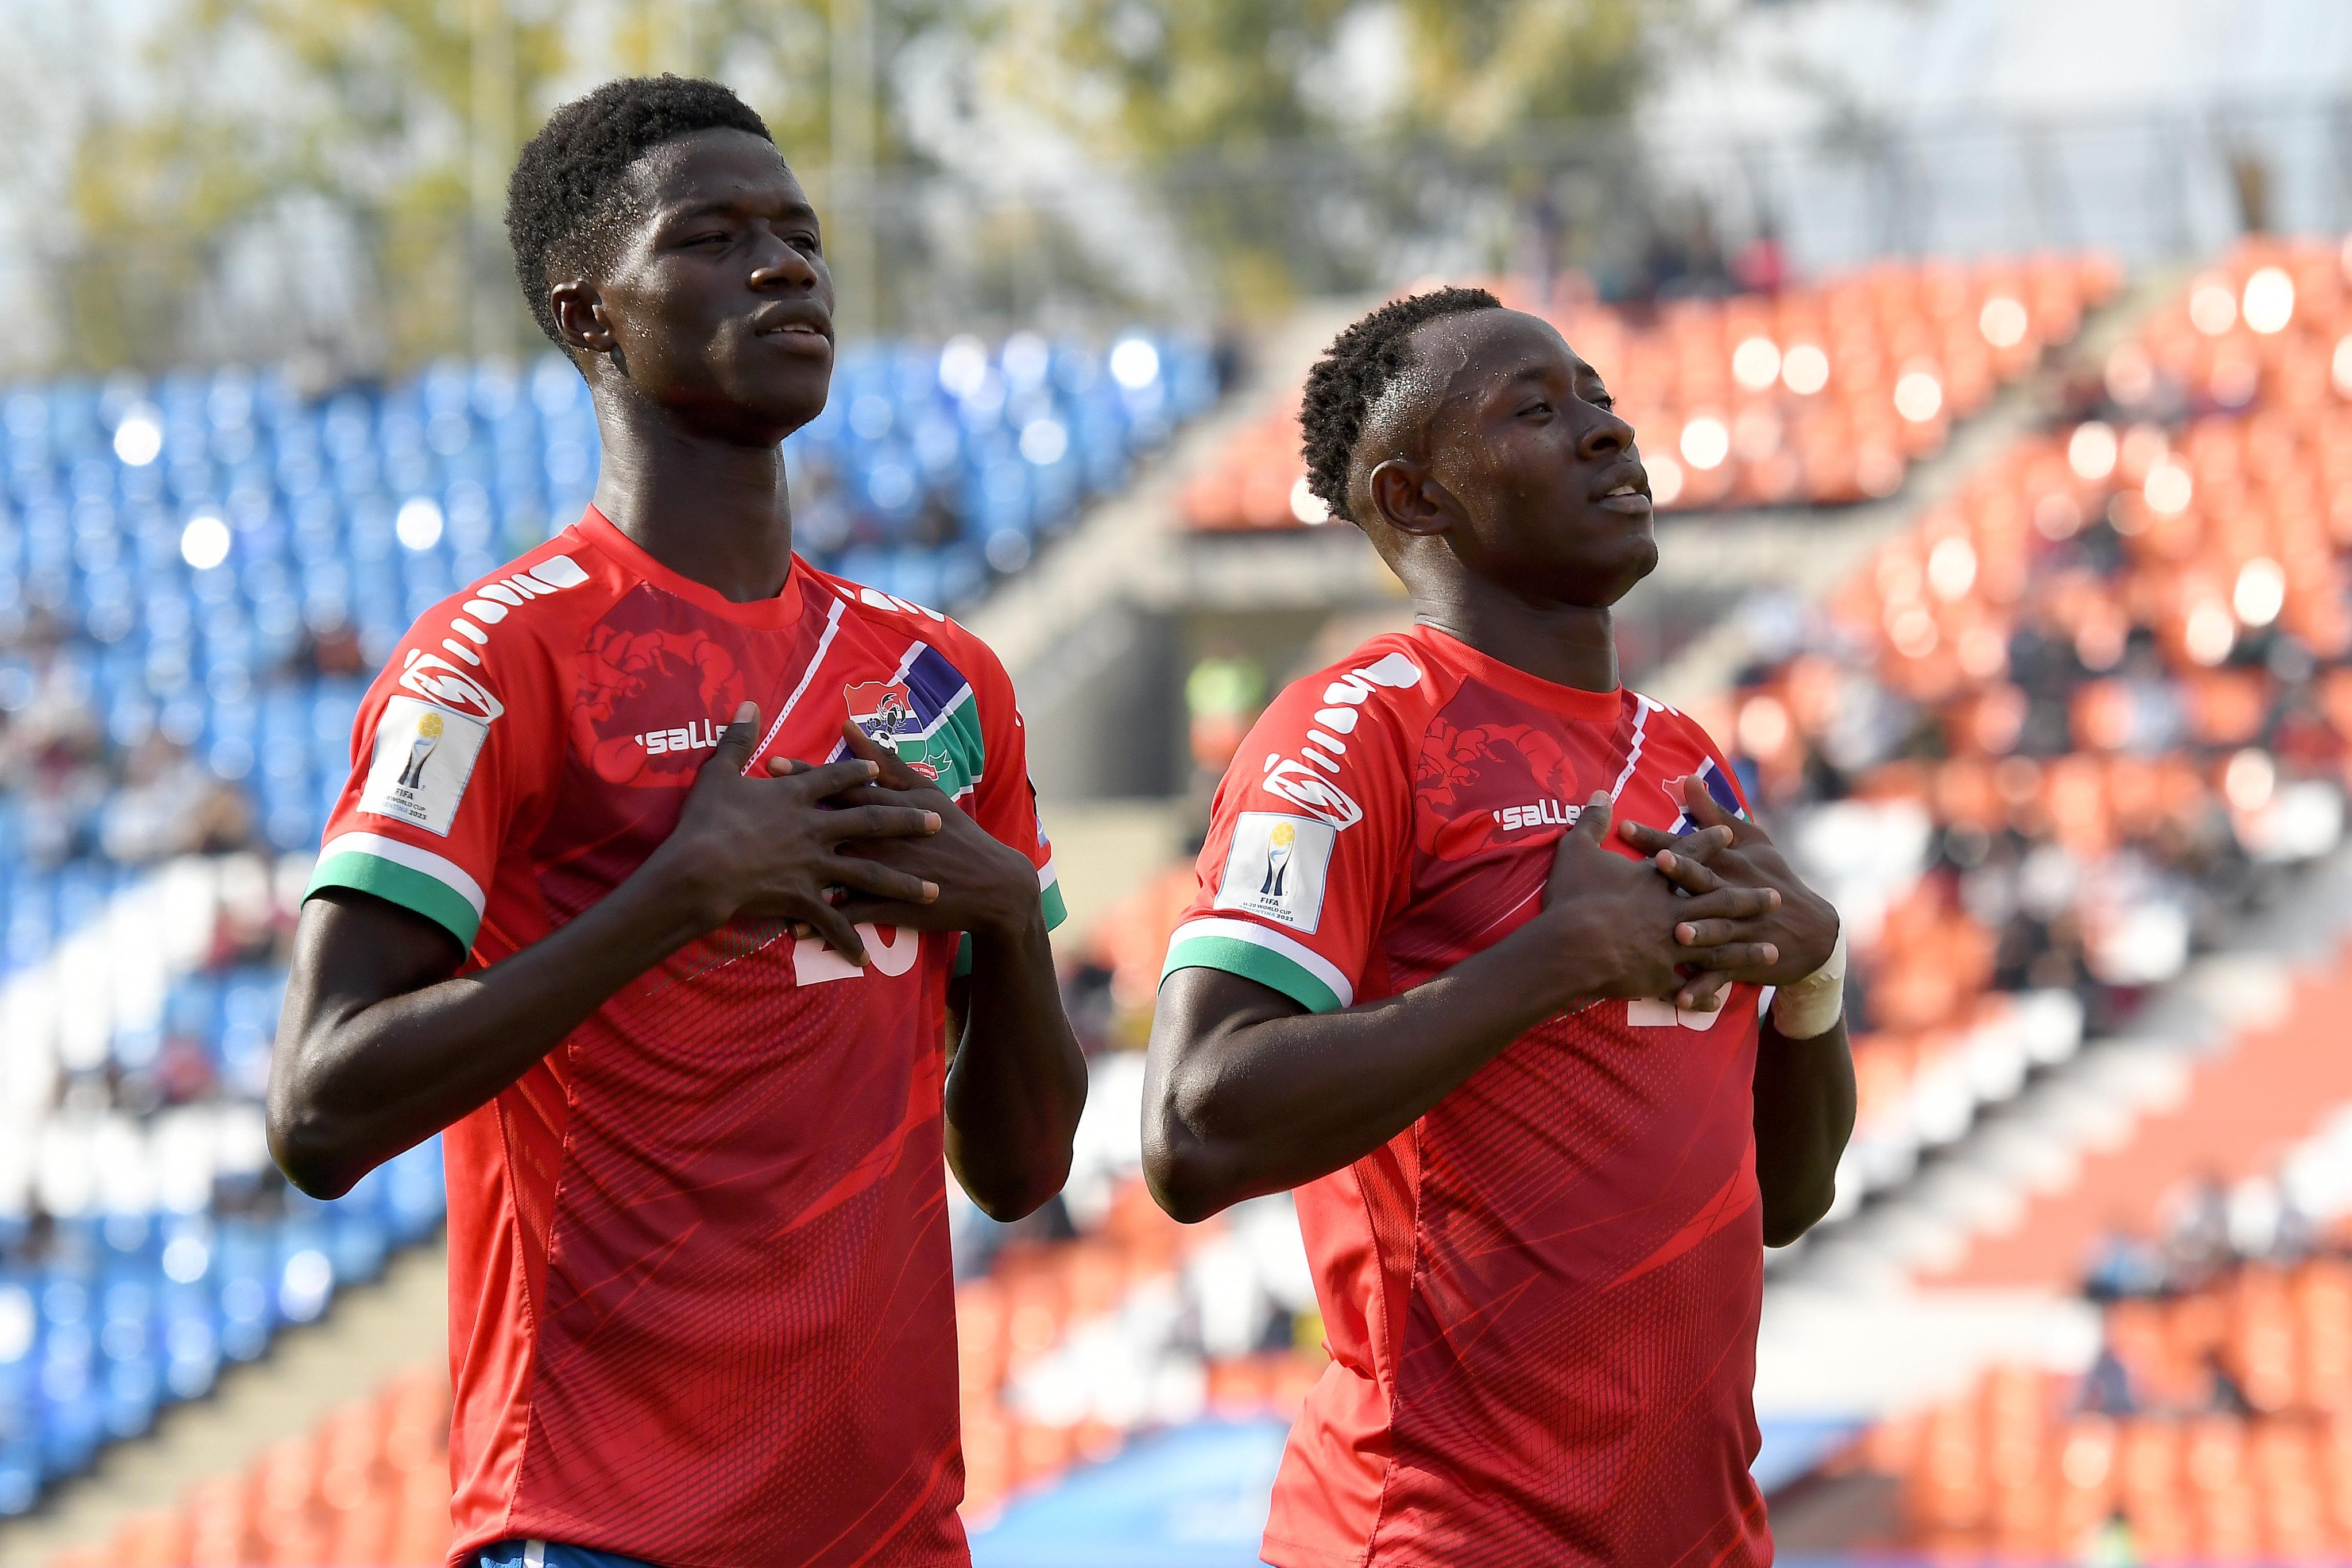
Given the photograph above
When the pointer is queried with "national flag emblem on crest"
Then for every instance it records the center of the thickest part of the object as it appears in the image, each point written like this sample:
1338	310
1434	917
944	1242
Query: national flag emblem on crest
884	710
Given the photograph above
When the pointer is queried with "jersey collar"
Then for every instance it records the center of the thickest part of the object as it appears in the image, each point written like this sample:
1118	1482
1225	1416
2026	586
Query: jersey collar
769	614
1572	702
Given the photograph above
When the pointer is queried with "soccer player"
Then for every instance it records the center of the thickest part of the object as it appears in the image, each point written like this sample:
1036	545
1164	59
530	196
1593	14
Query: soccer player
647	886
1512	1061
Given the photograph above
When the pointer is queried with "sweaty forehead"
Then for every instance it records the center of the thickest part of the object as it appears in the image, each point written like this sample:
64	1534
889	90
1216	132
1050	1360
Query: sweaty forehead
1457	360
1480	351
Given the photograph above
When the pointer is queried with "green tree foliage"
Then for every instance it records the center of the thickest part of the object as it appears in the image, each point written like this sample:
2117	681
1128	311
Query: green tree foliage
262	155
1252	110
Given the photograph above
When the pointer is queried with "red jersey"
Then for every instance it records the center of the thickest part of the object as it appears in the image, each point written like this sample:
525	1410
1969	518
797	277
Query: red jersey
1540	1300
701	1310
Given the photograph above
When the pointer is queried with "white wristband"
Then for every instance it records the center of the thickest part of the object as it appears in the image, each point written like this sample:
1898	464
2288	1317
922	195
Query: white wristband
1809	1006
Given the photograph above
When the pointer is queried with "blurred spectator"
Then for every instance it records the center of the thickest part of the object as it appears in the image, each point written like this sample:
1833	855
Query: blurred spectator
1223	697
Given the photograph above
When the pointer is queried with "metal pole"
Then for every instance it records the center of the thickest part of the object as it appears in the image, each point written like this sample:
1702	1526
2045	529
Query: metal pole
849	179
490	128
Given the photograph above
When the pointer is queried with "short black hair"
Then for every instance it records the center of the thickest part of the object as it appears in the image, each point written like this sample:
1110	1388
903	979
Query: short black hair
571	174
1351	375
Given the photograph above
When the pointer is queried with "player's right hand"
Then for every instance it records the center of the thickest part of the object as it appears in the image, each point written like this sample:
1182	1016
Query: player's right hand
766	848
1617	916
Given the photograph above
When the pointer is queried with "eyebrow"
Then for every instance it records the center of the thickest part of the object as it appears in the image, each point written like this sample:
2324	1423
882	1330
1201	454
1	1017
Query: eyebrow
717	205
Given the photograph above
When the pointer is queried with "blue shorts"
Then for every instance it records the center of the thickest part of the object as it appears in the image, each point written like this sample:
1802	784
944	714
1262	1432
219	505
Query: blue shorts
548	1554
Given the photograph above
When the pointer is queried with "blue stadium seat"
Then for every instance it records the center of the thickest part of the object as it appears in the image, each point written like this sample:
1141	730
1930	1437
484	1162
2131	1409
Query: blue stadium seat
177	561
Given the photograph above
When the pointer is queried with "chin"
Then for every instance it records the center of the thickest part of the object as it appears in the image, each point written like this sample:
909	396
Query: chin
783	402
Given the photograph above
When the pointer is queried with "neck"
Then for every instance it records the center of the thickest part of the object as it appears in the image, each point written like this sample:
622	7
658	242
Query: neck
1566	644
710	508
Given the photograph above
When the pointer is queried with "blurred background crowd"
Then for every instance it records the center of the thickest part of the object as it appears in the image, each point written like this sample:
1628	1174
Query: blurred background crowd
1992	363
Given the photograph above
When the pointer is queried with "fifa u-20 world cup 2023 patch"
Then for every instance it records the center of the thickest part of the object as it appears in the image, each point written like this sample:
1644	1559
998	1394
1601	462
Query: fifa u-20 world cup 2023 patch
424	756
1277	867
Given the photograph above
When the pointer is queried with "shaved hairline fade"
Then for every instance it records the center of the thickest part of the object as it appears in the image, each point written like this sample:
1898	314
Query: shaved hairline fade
1350	385
570	185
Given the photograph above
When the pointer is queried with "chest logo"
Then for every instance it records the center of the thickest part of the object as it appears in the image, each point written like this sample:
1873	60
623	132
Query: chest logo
884	710
1538	814
700	734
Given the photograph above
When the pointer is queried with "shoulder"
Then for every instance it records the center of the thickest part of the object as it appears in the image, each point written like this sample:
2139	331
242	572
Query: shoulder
467	651
1672	725
1682	746
893	618
1388	688
1345	735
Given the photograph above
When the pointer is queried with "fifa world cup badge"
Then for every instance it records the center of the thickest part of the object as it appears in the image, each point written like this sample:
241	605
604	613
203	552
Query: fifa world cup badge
1276	867
425	754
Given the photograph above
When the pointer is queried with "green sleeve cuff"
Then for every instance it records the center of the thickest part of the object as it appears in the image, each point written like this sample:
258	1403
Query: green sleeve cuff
413	890
1253	961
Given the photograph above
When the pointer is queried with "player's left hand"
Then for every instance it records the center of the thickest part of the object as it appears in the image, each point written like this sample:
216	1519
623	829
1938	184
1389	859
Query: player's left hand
1730	853
985	885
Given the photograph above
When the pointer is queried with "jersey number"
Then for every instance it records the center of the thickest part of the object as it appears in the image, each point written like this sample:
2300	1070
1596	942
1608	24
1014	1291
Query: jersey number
813	962
1645	1014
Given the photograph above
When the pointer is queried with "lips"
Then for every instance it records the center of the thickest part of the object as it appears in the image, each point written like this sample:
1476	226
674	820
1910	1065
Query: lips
800	320
1625	489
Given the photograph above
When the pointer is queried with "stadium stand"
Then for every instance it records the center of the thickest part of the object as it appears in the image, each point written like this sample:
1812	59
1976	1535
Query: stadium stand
1816	395
2066	728
2215	1426
369	1485
196	578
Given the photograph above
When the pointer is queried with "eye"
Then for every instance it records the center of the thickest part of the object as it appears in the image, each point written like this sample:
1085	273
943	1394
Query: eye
1539	405
1604	402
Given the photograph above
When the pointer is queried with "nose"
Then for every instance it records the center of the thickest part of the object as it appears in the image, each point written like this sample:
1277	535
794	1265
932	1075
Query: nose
780	265
1606	434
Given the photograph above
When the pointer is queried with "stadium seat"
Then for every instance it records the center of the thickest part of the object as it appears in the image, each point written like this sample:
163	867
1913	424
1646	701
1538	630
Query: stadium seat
1755	401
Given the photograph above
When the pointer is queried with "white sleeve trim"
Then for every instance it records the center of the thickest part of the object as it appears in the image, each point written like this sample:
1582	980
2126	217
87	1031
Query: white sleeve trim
448	873
1297	952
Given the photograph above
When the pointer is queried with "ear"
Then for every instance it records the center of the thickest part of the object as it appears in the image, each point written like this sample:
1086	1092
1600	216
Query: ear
580	317
1408	498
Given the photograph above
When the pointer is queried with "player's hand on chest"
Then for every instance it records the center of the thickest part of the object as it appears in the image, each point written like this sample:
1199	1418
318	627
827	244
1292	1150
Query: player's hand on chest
771	846
1625	922
977	883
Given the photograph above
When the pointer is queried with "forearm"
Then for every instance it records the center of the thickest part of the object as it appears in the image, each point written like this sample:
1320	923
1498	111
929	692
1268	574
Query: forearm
1264	1105
1018	1080
357	1080
1804	1113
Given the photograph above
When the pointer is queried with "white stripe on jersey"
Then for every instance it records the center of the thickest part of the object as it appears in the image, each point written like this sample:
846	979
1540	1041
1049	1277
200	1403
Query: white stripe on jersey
448	873
832	624
1298	953
1643	709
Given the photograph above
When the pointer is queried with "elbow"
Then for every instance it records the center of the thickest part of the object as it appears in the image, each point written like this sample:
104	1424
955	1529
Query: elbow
1183	1190
1022	1194
315	1160
1184	1170
1788	1220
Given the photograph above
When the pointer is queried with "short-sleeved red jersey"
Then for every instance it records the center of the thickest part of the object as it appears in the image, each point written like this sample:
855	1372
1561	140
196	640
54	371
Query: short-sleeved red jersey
701	1304
1540	1300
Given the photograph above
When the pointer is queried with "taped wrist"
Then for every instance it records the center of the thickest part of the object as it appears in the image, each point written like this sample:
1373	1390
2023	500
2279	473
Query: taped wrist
1809	1006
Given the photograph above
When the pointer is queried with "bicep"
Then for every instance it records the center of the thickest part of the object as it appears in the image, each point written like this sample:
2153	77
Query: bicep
353	950
1200	1008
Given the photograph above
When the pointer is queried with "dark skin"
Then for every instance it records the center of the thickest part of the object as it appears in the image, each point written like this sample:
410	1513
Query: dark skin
1499	483
706	339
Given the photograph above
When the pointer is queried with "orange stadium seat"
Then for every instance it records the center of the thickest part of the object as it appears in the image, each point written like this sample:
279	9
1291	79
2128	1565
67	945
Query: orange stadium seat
1820	394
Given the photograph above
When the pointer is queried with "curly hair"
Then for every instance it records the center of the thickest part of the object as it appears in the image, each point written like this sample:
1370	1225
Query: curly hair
1352	374
570	177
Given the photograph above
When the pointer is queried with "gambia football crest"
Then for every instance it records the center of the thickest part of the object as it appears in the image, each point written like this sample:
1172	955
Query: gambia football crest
884	710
